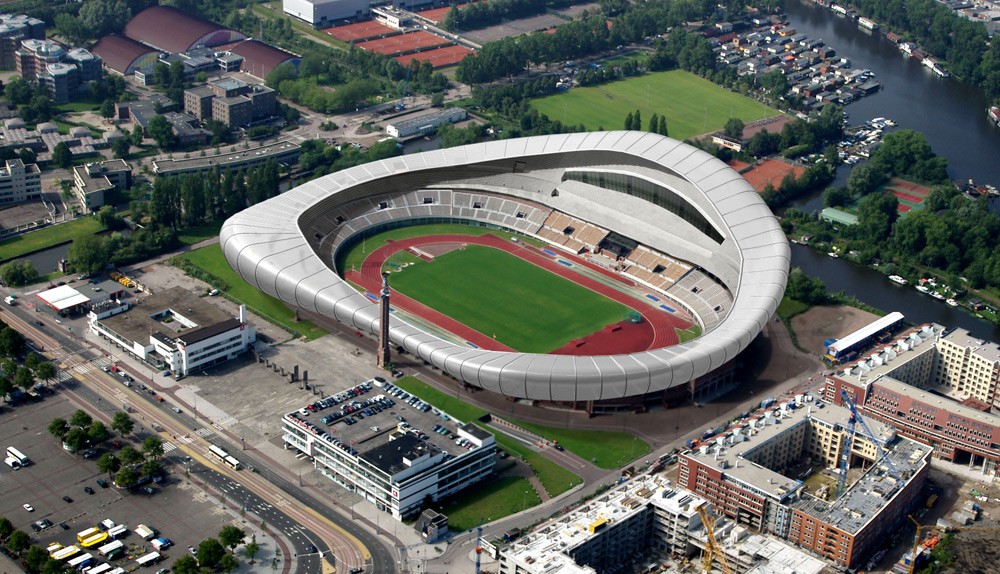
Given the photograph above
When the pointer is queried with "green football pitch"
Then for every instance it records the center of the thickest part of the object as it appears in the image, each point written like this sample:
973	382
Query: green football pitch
518	303
692	105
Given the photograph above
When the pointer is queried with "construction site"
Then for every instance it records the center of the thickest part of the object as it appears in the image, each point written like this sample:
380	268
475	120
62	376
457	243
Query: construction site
648	524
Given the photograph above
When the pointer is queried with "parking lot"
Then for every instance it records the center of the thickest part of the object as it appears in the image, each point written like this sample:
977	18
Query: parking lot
178	509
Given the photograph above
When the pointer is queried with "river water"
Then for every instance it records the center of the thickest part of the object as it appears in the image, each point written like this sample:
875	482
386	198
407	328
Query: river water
951	115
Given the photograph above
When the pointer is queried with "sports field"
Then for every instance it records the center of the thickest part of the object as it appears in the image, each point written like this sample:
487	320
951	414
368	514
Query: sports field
911	195
691	104
504	297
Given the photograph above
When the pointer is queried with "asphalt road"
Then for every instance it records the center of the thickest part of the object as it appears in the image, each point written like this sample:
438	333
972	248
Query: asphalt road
56	341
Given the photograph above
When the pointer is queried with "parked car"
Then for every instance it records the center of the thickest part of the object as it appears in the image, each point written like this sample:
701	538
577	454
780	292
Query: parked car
102	483
28	507
88	490
68	499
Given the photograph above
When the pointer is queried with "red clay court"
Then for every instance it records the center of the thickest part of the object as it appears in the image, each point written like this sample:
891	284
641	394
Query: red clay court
439	57
657	329
360	31
771	171
401	43
436	15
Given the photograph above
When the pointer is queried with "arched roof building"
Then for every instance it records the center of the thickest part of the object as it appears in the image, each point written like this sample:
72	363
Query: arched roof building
657	191
170	30
124	55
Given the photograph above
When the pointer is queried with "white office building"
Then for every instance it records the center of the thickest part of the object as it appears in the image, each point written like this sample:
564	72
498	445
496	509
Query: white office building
323	13
19	183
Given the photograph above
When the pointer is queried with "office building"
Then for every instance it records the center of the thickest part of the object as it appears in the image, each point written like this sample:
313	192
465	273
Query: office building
402	454
93	180
231	158
14	29
231	101
65	74
323	13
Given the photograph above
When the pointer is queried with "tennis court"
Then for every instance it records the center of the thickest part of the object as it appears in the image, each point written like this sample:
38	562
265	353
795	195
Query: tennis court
360	31
438	57
403	43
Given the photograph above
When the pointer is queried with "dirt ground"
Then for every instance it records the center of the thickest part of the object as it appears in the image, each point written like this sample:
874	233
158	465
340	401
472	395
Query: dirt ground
818	324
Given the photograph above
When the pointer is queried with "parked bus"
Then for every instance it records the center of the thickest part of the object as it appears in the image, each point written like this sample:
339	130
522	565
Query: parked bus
110	547
94	540
80	562
18	456
148	559
117	571
55	546
101	568
65	553
85	534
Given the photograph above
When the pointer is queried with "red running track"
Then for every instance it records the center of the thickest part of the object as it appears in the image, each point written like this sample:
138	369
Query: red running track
662	323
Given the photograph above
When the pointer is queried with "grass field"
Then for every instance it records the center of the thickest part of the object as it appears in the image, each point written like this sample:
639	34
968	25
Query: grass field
505	297
354	256
692	105
192	235
603	448
212	264
490	501
692	332
553	477
47	237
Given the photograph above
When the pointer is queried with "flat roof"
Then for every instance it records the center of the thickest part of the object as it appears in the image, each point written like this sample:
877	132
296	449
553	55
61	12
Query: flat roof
62	297
222	159
981	348
136	324
868	330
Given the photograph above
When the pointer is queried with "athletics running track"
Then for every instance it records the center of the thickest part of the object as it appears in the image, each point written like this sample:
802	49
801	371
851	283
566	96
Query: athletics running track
370	278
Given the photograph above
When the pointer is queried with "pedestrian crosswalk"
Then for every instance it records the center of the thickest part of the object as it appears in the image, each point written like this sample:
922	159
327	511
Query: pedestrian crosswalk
185	439
168	446
204	432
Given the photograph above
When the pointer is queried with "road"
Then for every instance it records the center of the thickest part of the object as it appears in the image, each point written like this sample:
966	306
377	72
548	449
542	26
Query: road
313	528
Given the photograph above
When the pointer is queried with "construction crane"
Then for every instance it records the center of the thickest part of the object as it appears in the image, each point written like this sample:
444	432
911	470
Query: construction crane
712	550
922	527
845	458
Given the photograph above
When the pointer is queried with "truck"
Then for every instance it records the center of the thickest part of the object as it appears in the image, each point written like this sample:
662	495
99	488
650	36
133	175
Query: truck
145	532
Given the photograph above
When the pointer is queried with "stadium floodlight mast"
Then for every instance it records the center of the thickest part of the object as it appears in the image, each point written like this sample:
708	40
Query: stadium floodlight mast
678	200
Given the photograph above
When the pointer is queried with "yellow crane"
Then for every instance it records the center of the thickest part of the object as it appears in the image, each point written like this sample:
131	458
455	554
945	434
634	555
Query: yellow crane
712	550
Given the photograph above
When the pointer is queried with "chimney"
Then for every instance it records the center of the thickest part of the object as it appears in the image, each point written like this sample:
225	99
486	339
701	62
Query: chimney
243	314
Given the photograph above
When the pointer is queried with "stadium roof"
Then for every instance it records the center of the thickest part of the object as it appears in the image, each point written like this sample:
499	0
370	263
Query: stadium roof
174	31
259	58
121	54
268	245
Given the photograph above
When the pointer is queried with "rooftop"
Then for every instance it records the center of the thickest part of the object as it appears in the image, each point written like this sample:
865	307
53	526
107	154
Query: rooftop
188	314
423	119
225	158
381	437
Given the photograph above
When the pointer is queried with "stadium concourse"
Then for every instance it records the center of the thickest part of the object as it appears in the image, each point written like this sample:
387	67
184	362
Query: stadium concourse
668	217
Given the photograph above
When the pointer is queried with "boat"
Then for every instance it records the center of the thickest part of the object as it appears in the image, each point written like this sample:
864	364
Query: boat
993	113
833	254
936	295
898	279
952	302
923	289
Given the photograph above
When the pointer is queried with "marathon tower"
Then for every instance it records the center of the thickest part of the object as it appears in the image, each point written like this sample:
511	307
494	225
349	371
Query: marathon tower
383	326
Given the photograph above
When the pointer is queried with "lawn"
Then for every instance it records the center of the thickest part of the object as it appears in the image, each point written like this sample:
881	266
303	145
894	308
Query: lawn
211	266
553	477
692	105
193	235
352	256
789	308
490	501
505	297
48	236
606	449
692	332
300	27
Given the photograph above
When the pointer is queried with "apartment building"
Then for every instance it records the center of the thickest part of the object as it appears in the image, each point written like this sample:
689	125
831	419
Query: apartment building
19	183
93	180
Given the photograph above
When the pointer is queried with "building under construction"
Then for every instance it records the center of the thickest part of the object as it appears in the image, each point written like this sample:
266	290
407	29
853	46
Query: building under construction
778	472
647	524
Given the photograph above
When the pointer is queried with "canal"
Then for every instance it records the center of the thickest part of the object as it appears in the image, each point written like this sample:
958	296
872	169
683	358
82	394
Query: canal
952	117
950	114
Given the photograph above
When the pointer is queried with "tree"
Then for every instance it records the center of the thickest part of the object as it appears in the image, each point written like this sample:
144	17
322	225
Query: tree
104	17
231	536
662	129
654	123
803	288
45	371
61	156
637	120
152	468
251	550
27	155
24	378
161	131
228	563
72	29
97	433
36	558
628	121
11	345
734	128
6	527
136	136
437	99
120	147
129	456
775	83
108	109
75	439
109	463
53	566
80	419
152	447
31	360
122	424
186	565
210	551
18	272
126	477
88	254
18	542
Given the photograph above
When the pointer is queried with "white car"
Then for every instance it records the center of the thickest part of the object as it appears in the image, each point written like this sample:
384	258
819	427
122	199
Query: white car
29	508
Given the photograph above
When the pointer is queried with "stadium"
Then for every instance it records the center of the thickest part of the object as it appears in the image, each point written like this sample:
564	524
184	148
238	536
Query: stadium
613	232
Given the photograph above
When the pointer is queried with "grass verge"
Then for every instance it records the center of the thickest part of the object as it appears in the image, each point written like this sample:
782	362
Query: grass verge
48	236
210	265
553	477
692	332
491	501
606	449
692	105
197	234
501	295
